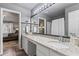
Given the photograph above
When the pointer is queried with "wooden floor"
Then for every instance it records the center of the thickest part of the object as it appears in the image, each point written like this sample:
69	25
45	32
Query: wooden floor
11	49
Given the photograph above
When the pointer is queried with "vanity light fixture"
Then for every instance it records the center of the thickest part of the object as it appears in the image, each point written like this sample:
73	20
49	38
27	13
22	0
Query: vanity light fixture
41	8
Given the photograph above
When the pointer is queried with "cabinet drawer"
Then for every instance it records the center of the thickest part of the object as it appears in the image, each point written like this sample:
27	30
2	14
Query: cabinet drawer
55	53
43	49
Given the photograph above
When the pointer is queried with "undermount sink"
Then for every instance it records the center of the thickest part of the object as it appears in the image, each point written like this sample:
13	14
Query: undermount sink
53	41
57	44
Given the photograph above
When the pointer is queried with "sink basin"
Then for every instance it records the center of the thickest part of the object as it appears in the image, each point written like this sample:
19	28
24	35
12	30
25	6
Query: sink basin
57	45
51	41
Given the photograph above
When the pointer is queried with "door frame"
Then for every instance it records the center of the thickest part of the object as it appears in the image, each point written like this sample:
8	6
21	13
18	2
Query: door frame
19	39
45	23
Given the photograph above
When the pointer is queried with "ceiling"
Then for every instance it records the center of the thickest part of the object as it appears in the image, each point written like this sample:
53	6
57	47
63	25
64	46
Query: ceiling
57	9
24	8
29	6
54	11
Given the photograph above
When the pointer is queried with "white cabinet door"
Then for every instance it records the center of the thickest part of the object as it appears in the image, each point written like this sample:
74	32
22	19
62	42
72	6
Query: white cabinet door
31	48
42	50
73	21
25	44
55	53
39	53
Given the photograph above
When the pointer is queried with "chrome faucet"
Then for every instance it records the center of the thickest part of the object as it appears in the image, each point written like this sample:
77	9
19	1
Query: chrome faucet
61	39
72	34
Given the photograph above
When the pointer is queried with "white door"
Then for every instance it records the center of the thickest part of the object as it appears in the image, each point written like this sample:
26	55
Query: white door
73	21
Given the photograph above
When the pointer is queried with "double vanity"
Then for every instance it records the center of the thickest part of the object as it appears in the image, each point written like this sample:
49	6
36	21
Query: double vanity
42	45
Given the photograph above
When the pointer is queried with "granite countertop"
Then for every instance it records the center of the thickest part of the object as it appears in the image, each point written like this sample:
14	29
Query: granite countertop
62	47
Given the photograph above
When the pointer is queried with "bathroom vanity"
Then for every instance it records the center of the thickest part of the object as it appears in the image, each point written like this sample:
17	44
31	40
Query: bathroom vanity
45	46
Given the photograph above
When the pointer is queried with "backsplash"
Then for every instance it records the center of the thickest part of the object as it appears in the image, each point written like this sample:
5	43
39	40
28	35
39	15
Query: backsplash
64	39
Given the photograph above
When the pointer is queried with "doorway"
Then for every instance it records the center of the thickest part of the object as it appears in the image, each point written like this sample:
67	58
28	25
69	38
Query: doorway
10	29
42	25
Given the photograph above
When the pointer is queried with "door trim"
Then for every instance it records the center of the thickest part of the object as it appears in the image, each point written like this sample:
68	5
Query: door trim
19	39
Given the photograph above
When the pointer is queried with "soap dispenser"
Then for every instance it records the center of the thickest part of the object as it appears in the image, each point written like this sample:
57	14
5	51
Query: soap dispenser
72	38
